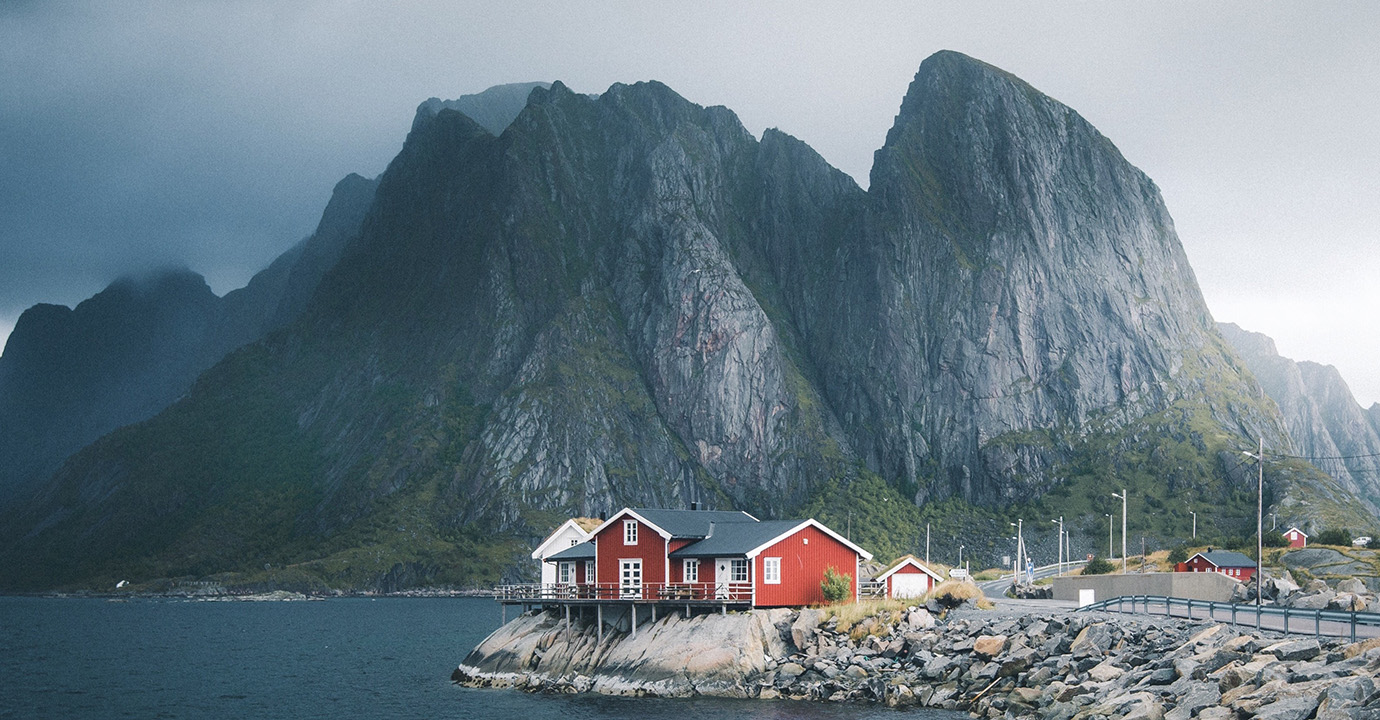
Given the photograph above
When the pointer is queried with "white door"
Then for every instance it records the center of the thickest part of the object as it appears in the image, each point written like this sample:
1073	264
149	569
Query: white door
908	585
721	578
630	577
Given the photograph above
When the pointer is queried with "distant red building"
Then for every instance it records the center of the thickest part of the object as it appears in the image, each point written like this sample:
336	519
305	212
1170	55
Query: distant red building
1296	537
653	554
1228	562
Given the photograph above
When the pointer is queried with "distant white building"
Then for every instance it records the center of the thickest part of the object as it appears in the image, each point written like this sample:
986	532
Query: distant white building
572	532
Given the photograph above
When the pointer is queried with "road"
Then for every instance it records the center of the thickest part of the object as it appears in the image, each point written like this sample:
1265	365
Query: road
1305	623
997	588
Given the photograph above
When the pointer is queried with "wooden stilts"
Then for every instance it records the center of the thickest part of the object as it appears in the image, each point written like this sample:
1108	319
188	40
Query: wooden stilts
653	614
632	616
567	618
599	610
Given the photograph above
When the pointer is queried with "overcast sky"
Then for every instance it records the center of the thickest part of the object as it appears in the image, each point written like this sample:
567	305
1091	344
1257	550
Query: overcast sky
210	134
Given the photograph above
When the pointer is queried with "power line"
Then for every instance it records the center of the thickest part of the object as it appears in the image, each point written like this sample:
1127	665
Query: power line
1312	458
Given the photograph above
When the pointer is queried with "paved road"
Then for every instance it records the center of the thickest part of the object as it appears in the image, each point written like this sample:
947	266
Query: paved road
997	588
1305	623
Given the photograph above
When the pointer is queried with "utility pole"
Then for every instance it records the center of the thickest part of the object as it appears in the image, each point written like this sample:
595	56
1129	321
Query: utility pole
1060	559
1123	529
1195	524
1020	550
1142	553
927	544
1109	537
1259	522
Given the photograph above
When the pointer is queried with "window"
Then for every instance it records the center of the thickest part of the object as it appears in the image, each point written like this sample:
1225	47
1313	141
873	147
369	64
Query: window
629	532
771	571
692	571
738	570
589	572
565	573
574	542
630	577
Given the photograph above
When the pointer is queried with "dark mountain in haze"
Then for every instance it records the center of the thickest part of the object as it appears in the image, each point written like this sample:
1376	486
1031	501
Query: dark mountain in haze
629	300
494	109
69	376
1322	416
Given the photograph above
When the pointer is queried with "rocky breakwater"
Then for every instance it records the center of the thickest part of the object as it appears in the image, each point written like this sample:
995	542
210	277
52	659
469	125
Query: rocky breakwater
1066	666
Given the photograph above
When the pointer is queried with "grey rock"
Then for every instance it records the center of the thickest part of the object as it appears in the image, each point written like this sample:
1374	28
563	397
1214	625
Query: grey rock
1298	707
1094	639
1295	650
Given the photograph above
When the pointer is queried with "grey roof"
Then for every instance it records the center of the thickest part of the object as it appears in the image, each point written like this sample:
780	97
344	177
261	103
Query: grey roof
692	523
581	551
1228	558
735	538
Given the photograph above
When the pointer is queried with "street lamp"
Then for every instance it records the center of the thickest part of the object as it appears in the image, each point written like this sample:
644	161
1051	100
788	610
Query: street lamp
960	556
1060	560
1259	521
1123	528
1020	550
1109	536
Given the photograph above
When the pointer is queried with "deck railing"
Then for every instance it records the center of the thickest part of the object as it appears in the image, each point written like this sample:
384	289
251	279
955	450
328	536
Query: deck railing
872	589
668	592
1333	623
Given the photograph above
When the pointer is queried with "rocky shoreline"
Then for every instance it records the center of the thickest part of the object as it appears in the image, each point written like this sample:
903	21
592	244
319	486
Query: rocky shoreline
1050	665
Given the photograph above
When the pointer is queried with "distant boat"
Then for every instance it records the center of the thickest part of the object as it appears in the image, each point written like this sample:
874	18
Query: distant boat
121	584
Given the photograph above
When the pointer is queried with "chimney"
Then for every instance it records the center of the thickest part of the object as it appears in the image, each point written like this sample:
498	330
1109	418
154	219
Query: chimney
694	505
711	531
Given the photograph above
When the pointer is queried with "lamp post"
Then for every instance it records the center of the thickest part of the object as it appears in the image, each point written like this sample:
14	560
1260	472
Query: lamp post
1259	521
960	556
927	544
1123	528
1060	559
1195	524
1109	536
1020	550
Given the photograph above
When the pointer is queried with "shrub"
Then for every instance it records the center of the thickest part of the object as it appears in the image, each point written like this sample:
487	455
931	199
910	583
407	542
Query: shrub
1098	566
1274	539
835	585
1178	555
1339	536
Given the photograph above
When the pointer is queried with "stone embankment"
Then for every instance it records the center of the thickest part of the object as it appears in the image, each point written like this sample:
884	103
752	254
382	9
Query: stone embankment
1065	666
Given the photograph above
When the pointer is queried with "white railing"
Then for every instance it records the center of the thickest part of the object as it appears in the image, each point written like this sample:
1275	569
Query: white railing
699	592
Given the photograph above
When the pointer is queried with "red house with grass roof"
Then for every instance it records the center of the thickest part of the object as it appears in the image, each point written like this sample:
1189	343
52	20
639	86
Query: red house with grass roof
907	577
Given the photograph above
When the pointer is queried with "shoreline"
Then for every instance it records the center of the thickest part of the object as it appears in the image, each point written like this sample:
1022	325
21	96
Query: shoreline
263	596
1046	665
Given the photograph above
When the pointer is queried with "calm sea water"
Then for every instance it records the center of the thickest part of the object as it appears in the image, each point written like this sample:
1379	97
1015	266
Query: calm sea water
386	658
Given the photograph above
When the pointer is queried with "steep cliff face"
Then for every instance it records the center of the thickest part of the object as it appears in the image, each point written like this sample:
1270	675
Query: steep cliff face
1324	421
1016	285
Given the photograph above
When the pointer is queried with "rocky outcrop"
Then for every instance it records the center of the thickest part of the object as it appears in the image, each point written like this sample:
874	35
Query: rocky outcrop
1065	666
1323	418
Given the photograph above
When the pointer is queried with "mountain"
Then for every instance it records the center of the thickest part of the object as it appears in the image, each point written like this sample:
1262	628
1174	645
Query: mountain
629	300
1324	421
69	376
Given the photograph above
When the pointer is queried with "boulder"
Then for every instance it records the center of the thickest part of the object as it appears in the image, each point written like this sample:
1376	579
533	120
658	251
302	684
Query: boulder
1105	671
1291	650
1095	639
805	627
919	619
1351	585
1347	602
1315	585
1312	601
1298	707
990	645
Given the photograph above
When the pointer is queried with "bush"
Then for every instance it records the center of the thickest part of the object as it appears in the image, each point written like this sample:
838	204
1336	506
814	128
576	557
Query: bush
1274	539
1334	537
836	586
1178	555
1098	566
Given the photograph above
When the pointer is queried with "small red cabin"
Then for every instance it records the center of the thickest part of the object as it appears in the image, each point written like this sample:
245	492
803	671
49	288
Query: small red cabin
1296	537
908	578
652	554
1228	562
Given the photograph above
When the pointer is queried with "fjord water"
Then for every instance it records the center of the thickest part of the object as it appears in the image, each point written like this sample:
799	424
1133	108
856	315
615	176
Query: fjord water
355	657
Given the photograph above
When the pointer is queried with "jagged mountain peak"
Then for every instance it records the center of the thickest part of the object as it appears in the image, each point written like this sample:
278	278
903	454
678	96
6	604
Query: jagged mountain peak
493	109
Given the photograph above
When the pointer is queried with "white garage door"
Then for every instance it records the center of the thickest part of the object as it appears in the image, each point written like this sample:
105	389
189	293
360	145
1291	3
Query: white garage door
908	585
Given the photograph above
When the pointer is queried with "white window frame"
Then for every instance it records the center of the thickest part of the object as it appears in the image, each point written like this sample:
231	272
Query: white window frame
690	571
589	572
771	571
565	572
629	532
738	570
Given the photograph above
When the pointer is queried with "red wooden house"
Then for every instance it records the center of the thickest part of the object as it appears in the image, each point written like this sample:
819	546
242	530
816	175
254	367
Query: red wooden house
1296	537
908	578
1228	562
652	554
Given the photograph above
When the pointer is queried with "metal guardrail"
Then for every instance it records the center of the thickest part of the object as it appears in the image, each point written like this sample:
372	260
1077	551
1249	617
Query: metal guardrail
1334	623
672	592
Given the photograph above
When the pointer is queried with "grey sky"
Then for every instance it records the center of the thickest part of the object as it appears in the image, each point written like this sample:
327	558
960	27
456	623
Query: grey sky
210	133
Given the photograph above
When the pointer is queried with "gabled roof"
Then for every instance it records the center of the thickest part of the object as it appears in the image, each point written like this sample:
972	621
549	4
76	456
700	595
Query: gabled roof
583	551
572	524
1294	530
750	539
903	562
679	523
1226	558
